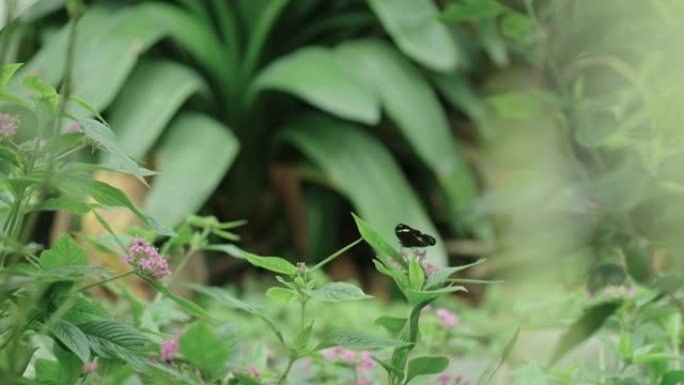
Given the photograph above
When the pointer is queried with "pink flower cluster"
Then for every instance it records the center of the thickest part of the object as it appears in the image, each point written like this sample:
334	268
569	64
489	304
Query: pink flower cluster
363	361
147	259
75	128
621	290
447	318
8	124
168	348
90	367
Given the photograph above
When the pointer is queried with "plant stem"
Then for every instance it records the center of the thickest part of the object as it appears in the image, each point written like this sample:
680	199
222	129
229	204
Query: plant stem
302	314
286	372
102	282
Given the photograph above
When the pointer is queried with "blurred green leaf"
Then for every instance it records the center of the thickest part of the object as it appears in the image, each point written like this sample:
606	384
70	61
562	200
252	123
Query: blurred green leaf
189	306
318	76
361	169
274	264
357	340
582	329
7	72
203	347
148	101
413	106
462	12
415	28
193	159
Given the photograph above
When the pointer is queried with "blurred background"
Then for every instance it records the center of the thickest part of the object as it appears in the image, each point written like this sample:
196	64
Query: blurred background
542	134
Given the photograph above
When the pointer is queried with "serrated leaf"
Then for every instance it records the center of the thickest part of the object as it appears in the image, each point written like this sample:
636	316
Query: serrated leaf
73	338
275	264
426	365
359	340
65	252
338	292
202	346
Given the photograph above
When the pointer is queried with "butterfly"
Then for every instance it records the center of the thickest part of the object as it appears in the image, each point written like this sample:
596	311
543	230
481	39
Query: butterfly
410	237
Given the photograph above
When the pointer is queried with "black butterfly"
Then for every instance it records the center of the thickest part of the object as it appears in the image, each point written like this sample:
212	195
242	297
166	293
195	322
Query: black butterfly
410	237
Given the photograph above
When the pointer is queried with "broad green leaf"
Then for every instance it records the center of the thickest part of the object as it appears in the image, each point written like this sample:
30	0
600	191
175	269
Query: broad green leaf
107	52
73	338
582	329
411	103
64	202
360	168
444	273
318	76
463	12
416	274
10	155
460	93
188	175
358	340
301	339
70	365
275	264
65	252
47	371
519	28
187	305
148	101
203	347
338	292
112	339
426	365
415	28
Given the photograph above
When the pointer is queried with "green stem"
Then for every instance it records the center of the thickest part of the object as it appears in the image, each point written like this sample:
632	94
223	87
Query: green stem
102	282
286	372
302	314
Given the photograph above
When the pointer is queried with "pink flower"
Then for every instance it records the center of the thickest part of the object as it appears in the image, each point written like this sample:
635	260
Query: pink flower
8	124
363	381
448	318
146	259
631	292
430	268
90	367
329	354
168	348
75	128
608	291
253	372
348	356
367	364
444	378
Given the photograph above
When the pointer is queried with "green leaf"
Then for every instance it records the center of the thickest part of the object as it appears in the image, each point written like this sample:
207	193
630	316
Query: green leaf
274	264
70	366
47	371
591	321
73	338
358	340
416	297
319	77
378	243
673	377
281	294
6	73
493	367
64	202
444	273
188	306
42	91
112	339
150	98
519	28
426	365
411	103
393	325
415	28
475	11
362	169
416	274
301	339
11	156
625	347
203	347
338	292
65	252
187	177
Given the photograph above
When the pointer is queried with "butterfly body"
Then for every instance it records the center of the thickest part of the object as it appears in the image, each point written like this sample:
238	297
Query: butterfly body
410	237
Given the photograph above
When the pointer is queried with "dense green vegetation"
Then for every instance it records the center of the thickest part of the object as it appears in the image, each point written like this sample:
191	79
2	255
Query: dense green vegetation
209	192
